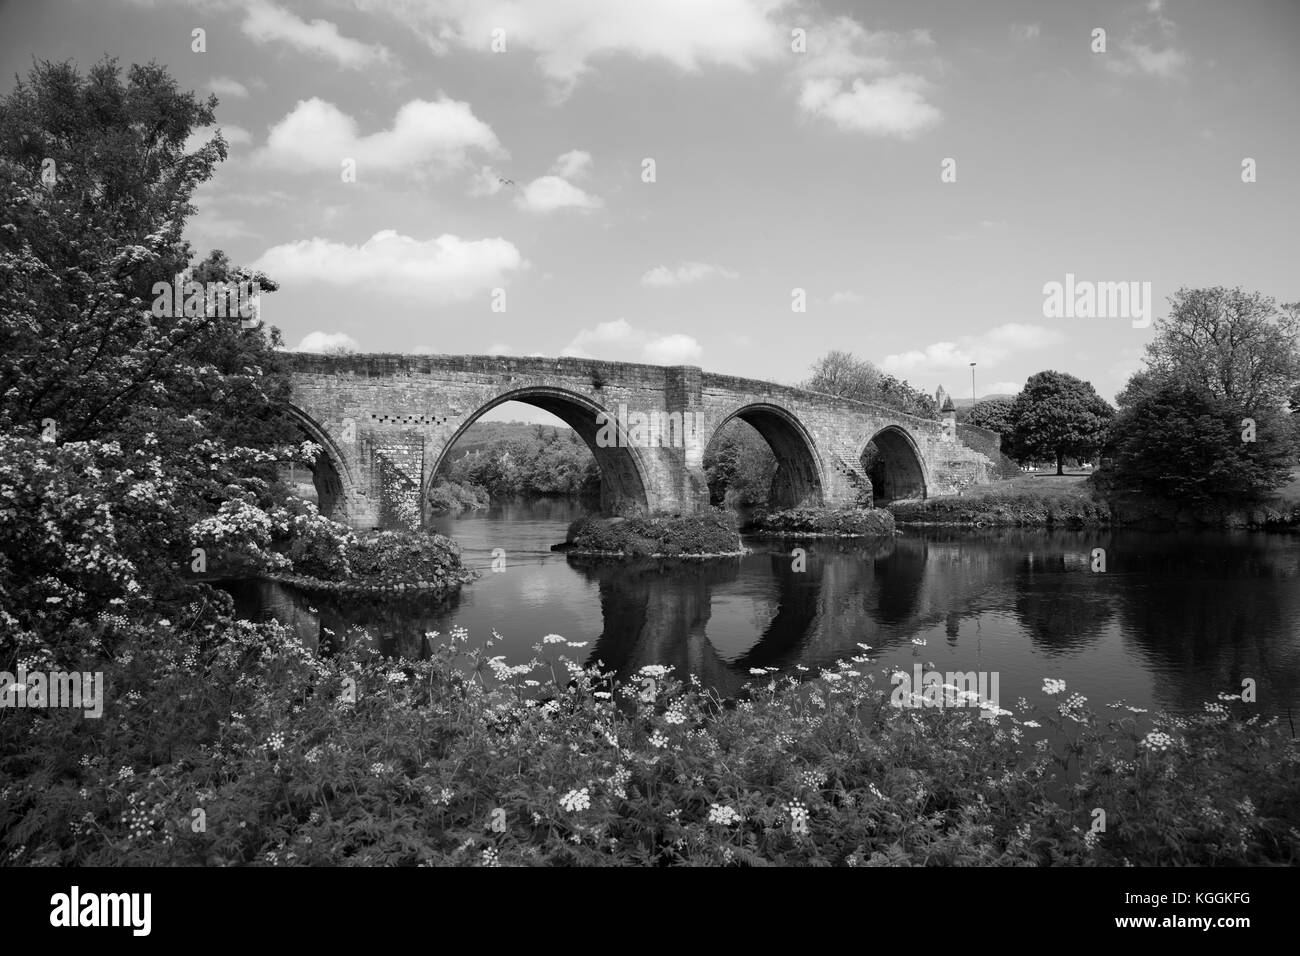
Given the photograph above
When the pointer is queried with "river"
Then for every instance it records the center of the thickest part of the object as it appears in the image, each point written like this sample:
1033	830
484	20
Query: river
1173	620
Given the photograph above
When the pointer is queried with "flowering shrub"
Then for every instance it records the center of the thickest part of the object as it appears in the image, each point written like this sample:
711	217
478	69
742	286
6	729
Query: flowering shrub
246	748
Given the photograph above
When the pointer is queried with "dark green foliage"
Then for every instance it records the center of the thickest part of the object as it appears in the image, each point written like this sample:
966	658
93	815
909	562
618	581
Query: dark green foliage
1011	509
713	532
739	465
355	760
995	414
1058	416
856	522
1183	443
454	496
505	460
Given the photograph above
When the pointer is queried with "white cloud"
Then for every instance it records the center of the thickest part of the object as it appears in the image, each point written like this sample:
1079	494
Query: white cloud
499	348
549	193
434	135
677	349
684	273
869	82
225	86
890	106
328	342
1002	388
1024	32
567	36
265	23
619	341
553	191
987	348
445	269
573	164
1148	47
487	182
846	298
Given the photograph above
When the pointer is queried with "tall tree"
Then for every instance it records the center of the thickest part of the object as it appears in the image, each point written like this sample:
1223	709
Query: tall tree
95	185
1060	416
1183	443
1239	346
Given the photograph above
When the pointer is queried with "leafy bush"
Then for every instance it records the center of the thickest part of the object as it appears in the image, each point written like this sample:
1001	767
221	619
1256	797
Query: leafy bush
1181	443
854	522
455	496
228	743
711	532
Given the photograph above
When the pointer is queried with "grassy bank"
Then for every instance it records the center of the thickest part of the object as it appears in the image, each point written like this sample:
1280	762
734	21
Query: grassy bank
247	749
714	532
1029	501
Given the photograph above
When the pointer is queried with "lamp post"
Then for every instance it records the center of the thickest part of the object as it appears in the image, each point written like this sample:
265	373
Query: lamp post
972	382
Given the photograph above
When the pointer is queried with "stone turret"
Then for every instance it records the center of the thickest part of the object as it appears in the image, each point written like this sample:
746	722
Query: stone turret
941	397
948	412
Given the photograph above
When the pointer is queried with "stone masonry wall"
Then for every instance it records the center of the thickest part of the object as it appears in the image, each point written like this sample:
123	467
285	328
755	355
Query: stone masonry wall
391	418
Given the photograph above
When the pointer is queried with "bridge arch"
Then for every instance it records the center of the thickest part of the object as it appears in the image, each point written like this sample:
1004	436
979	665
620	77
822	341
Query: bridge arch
332	473
623	470
798	478
895	465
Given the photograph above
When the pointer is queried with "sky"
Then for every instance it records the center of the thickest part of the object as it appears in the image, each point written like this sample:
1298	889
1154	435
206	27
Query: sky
474	176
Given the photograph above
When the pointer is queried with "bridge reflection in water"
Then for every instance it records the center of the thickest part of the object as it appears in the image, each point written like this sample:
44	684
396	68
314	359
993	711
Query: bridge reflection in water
1174	621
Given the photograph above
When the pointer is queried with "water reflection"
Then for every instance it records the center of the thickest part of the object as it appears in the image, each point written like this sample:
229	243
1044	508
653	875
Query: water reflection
1172	621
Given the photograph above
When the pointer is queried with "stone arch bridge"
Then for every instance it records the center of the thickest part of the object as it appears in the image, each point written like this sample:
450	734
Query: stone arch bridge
386	423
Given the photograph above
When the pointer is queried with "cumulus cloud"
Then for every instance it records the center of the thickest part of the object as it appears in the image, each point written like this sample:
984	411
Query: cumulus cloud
890	106
869	82
620	341
549	193
573	164
568	36
432	135
445	269
1147	47
684	273
554	190
267	23
225	86
328	342
989	347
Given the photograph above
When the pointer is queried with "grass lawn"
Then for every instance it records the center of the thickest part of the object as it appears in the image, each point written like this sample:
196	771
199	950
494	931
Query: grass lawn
1042	485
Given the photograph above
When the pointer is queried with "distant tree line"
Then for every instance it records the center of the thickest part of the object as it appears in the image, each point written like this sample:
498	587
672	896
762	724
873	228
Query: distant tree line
546	462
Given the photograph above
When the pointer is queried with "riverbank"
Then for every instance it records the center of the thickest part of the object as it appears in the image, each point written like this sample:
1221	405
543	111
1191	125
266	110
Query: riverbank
465	760
1084	501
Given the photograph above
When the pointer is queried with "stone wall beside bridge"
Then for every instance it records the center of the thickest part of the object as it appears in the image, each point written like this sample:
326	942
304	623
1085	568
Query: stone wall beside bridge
387	422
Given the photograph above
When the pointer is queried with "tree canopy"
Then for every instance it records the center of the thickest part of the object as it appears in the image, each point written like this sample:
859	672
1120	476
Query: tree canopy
1238	346
1059	416
846	375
